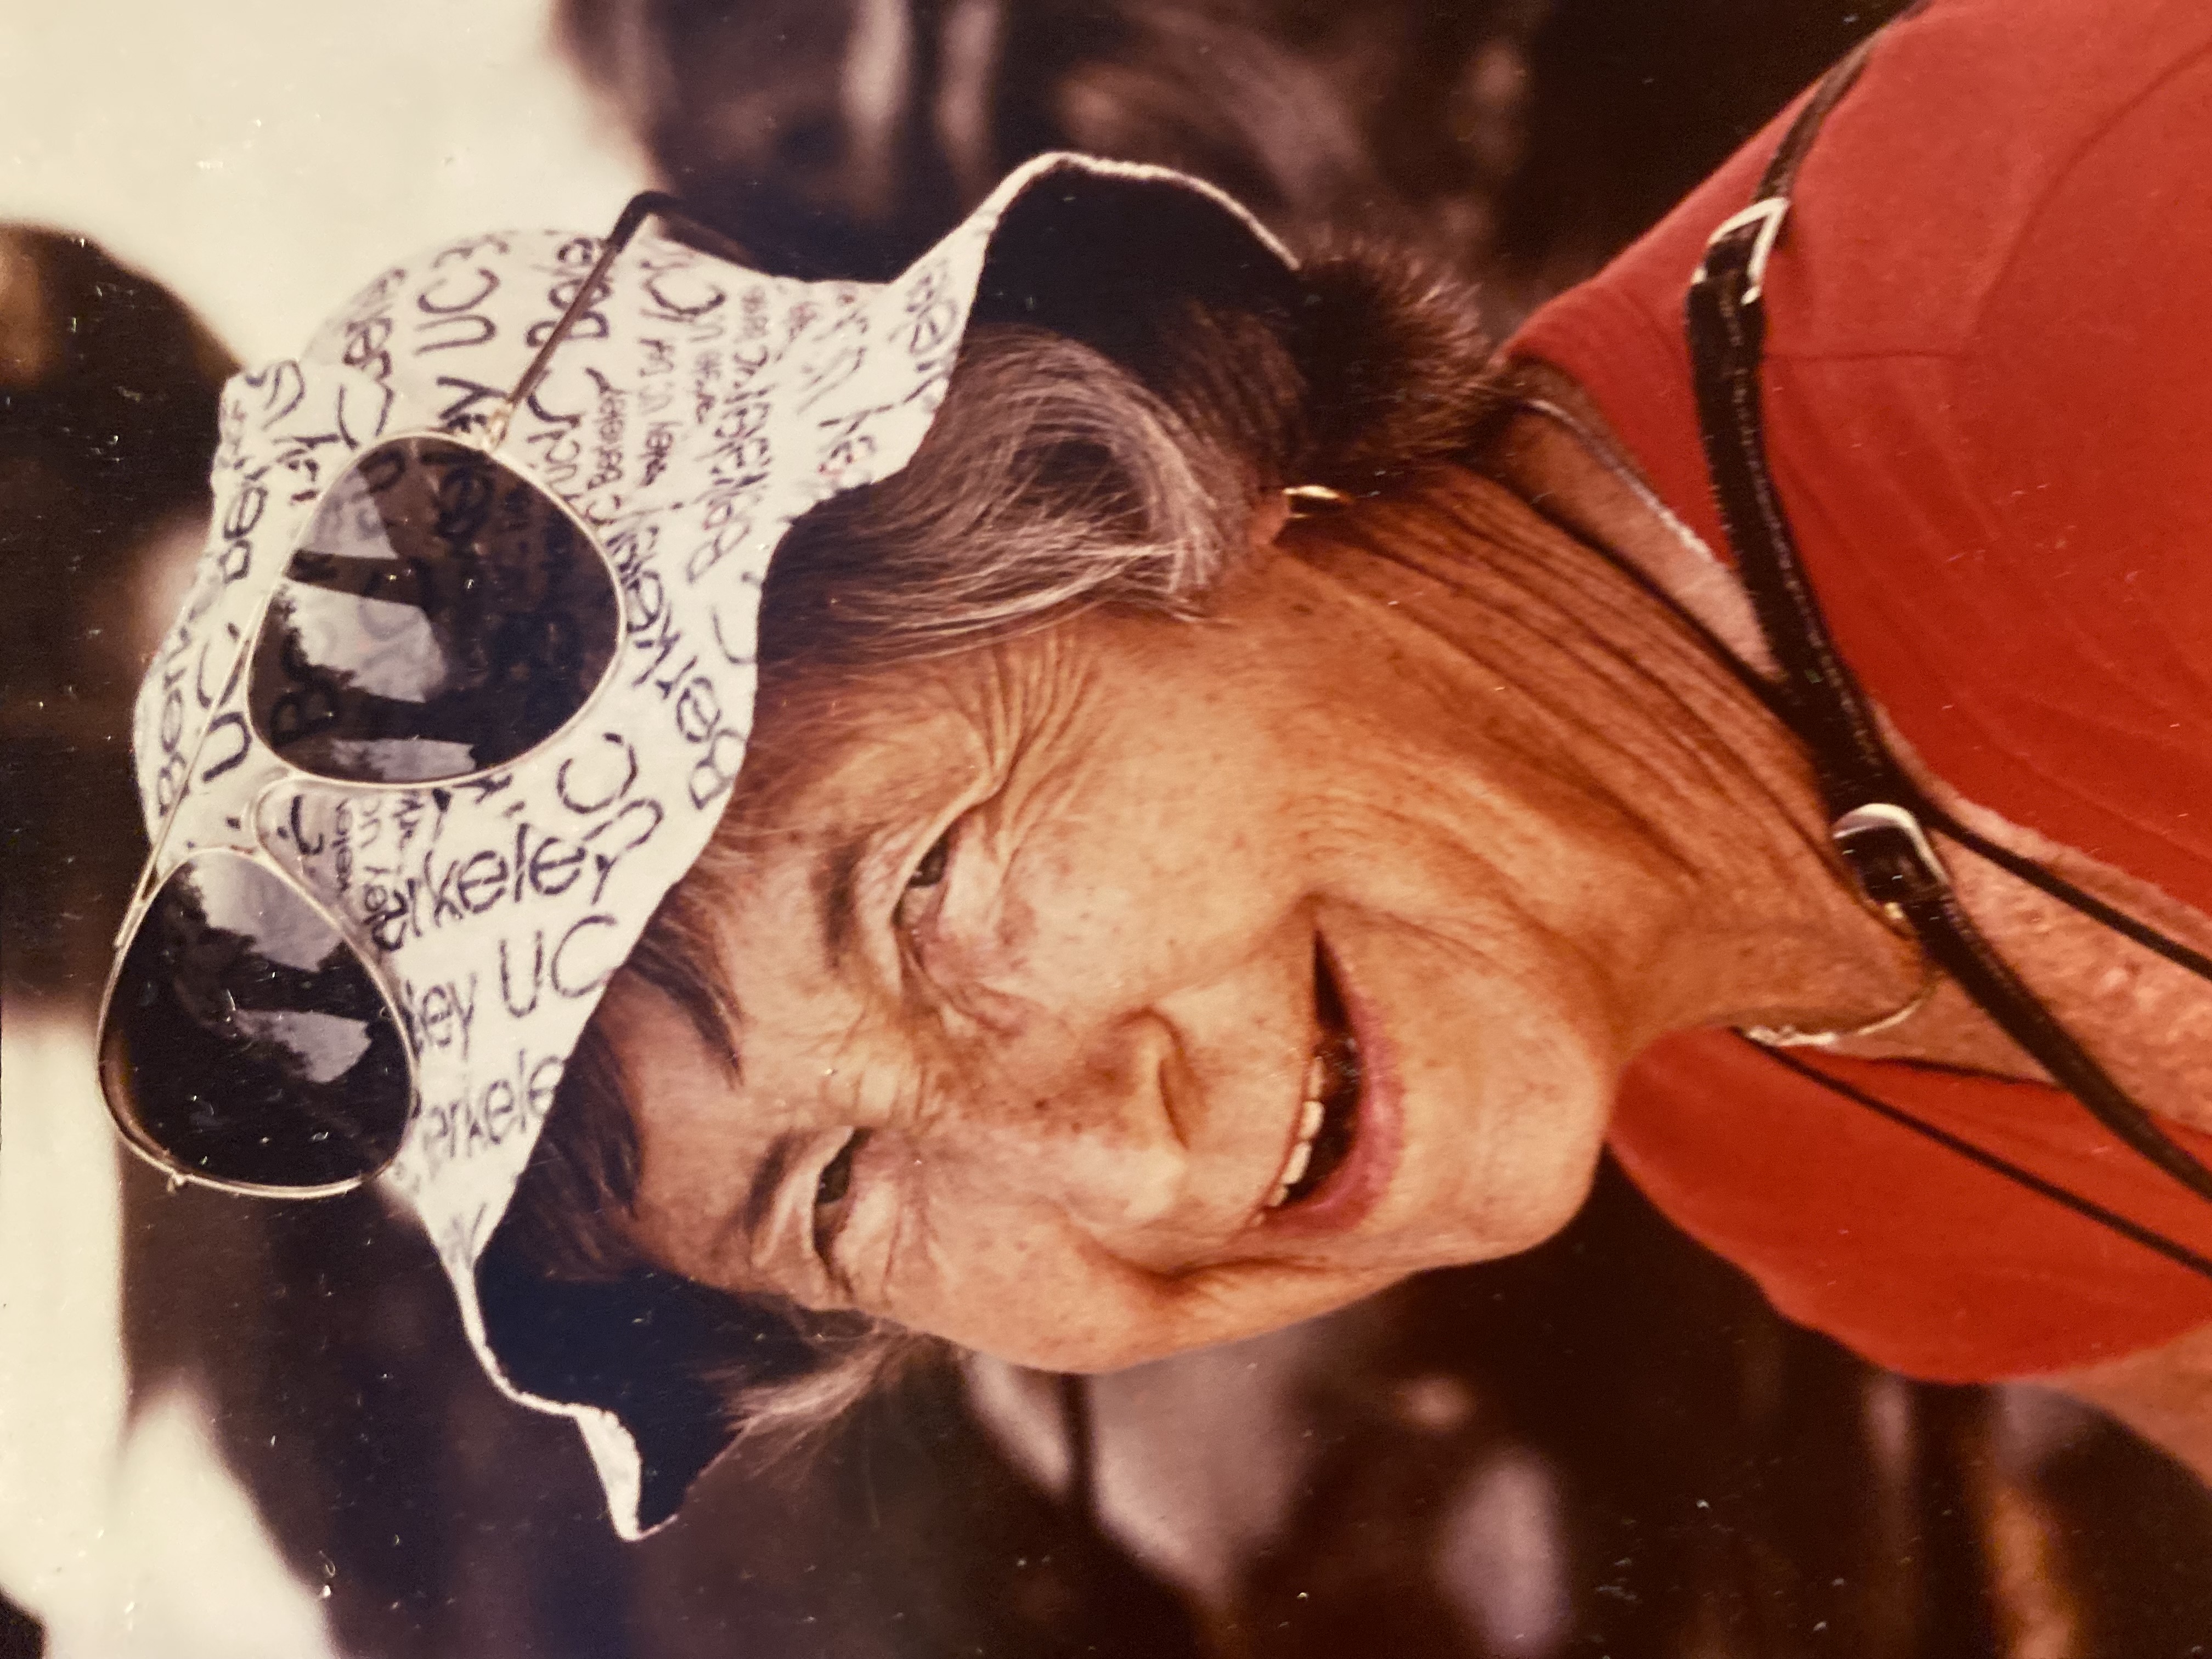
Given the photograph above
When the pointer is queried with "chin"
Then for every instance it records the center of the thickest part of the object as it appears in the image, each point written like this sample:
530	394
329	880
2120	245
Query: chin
1522	1172
1491	1226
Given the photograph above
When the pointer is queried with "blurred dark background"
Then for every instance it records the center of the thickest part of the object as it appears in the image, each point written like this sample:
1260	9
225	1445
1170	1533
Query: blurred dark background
1609	1446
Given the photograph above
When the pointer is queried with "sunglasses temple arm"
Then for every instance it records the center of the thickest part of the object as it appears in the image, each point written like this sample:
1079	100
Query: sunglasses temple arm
645	206
495	428
148	880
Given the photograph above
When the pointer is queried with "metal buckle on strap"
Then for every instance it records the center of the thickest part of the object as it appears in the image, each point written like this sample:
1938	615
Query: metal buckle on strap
1889	856
1767	214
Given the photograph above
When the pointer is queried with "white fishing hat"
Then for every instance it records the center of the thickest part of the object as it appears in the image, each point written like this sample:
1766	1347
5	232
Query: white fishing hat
695	412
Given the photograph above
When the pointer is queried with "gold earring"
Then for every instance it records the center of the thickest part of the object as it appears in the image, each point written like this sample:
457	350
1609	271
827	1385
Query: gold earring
1308	500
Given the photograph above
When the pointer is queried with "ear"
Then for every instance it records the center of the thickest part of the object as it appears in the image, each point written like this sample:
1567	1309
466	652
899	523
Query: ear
1269	515
1397	369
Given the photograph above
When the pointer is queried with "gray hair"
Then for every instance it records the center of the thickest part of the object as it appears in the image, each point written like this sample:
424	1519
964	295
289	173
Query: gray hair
1053	479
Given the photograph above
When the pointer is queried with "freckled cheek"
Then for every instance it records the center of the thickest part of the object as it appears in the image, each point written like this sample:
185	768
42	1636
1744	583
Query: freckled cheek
1036	941
990	1266
980	957
1012	1280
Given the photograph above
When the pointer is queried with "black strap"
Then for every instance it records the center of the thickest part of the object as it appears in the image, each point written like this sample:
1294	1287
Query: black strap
1878	818
2111	1219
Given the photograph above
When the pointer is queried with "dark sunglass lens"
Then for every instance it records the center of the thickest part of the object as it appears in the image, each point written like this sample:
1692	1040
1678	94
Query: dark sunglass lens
444	615
245	1041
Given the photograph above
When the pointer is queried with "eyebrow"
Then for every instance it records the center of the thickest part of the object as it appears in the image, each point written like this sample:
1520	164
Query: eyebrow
836	879
768	1180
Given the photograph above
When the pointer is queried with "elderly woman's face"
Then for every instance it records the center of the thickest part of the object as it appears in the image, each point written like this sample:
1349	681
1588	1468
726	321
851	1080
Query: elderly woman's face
1130	985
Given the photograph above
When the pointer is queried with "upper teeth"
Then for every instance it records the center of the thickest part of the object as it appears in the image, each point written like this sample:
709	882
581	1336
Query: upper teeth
1309	1117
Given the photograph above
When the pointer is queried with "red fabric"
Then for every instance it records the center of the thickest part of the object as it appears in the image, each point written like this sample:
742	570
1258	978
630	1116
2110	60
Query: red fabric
1990	386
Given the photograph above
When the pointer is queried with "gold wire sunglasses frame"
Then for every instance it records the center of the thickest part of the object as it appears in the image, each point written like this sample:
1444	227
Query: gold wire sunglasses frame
302	935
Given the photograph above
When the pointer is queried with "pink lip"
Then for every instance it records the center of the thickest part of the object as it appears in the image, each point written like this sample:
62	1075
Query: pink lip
1378	1133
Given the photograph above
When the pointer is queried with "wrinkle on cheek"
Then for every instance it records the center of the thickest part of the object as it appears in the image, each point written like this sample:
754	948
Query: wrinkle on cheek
983	949
1003	954
899	1273
1068	1309
1020	1286
1138	1317
1227	1303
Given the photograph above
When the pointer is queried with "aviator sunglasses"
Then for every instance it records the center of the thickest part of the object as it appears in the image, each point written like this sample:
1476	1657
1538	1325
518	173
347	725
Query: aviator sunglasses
444	615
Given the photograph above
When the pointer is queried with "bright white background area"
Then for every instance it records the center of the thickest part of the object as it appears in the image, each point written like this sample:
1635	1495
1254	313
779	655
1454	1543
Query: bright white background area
261	159
264	158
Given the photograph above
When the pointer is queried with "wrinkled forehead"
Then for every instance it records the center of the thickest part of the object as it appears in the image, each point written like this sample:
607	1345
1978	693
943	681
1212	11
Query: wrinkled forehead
837	747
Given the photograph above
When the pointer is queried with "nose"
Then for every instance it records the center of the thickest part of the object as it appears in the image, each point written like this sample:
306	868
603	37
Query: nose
1081	1120
1152	1124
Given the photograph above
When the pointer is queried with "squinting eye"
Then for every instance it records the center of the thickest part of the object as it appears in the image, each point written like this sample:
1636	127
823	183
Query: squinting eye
928	875
833	1189
930	869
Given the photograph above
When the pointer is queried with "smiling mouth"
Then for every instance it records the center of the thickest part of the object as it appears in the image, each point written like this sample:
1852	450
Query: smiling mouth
1328	1116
